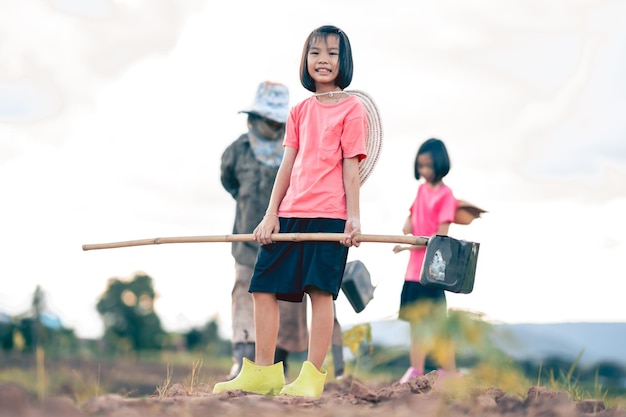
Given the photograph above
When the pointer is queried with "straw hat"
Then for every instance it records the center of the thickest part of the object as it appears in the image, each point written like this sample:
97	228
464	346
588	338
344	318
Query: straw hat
374	139
467	212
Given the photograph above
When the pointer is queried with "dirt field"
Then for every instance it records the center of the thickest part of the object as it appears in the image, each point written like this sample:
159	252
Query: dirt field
419	397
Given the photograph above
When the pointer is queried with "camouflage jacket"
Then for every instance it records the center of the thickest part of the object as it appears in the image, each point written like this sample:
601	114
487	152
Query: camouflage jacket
250	183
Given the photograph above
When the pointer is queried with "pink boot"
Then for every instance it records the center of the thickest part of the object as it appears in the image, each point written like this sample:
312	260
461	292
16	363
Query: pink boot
410	373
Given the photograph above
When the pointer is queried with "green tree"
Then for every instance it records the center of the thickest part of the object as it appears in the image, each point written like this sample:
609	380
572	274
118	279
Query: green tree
207	339
7	328
127	308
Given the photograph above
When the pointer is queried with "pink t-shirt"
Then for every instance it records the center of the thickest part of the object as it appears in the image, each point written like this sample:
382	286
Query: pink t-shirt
431	207
323	134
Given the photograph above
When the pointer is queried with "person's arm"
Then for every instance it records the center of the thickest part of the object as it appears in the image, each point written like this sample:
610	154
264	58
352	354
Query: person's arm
407	229
269	224
227	177
441	230
352	186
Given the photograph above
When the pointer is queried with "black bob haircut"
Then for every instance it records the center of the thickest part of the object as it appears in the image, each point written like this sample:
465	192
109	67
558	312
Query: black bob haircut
344	78
439	155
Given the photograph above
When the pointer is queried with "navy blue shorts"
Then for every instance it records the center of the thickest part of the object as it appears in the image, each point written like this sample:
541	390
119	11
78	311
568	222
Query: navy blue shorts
418	301
289	269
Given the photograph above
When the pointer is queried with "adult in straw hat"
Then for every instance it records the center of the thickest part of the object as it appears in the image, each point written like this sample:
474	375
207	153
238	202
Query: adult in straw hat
248	169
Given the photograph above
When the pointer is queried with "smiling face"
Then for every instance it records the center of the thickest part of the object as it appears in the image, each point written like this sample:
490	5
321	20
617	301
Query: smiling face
323	62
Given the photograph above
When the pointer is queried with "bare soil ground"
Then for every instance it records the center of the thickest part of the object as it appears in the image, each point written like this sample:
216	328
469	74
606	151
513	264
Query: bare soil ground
348	397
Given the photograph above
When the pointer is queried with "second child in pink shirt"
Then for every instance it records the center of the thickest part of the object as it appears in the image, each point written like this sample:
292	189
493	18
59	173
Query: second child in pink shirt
431	213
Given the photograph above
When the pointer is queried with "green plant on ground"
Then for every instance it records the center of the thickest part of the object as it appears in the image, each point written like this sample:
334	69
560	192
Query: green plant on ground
196	365
86	389
354	338
568	383
500	373
162	389
598	392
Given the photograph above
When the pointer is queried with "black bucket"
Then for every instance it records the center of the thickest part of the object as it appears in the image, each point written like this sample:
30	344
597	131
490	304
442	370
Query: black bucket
450	264
357	285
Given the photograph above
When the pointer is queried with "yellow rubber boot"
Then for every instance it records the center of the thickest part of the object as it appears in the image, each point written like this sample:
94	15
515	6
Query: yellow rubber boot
266	380
309	384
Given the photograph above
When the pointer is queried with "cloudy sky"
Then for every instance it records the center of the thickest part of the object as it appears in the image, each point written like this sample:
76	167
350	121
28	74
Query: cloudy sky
114	115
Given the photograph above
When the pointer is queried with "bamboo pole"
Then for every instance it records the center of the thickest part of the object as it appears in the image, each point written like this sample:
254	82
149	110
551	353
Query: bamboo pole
276	237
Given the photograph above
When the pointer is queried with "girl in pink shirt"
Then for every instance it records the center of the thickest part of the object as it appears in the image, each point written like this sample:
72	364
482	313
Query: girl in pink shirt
432	212
316	190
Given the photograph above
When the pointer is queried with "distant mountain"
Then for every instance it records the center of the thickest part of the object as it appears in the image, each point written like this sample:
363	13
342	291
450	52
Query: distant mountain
598	342
601	342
